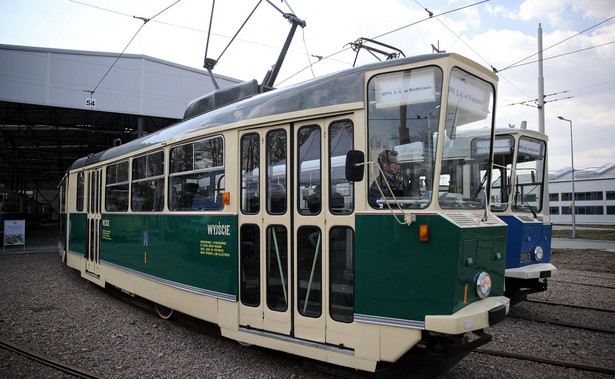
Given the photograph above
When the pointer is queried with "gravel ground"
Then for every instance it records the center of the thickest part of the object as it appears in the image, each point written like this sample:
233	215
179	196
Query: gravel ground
48	308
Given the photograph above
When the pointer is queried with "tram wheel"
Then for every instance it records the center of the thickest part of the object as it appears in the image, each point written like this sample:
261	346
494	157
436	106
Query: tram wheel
164	312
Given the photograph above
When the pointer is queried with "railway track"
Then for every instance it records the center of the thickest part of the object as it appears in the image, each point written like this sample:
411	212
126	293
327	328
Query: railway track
571	305
553	362
565	324
582	284
605	275
46	361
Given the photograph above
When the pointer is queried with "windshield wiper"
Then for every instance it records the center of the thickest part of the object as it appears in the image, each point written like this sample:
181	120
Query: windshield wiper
525	203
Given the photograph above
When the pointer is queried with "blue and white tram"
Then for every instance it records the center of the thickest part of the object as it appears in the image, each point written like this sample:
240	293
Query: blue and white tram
519	197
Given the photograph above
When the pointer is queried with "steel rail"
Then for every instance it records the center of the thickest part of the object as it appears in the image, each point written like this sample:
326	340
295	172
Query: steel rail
579	366
569	325
582	284
48	361
571	305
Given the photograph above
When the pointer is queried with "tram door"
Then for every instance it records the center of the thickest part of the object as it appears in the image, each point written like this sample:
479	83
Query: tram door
285	173
94	184
323	239
264	230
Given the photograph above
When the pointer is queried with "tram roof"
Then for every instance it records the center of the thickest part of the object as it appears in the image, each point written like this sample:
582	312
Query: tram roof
342	87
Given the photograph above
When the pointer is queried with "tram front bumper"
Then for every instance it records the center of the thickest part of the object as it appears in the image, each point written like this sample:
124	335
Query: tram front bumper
535	271
478	315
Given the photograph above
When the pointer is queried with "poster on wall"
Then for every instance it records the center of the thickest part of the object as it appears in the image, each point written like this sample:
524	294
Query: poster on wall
14	233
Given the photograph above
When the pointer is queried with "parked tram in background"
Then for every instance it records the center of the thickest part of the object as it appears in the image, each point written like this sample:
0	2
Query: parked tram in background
255	215
17	206
520	198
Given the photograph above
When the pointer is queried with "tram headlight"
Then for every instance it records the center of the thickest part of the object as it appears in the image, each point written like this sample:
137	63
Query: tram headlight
538	253
483	285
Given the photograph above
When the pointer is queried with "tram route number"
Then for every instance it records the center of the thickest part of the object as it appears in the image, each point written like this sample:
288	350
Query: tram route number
214	248
526	258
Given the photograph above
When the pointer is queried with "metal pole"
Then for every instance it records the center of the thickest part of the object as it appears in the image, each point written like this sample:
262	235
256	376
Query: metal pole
541	85
574	207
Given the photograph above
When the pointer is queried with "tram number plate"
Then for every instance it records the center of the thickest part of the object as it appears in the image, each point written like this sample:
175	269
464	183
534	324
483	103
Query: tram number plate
526	258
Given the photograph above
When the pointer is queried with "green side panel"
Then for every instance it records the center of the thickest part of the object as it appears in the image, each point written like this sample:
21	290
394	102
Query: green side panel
77	227
195	250
399	276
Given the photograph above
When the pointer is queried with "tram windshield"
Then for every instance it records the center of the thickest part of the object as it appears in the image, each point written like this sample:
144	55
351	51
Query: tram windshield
521	188
404	116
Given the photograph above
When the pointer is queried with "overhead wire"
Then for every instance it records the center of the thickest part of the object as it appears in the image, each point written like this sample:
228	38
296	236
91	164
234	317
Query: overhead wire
450	30
145	21
329	57
516	64
307	53
470	47
431	15
239	30
175	25
564	54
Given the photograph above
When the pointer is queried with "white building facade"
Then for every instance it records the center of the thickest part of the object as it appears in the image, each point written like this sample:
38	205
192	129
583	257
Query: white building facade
594	189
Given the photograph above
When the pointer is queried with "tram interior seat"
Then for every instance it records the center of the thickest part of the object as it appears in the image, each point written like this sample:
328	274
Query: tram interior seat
313	201
337	200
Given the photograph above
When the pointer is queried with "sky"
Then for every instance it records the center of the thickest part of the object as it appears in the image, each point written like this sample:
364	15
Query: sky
578	38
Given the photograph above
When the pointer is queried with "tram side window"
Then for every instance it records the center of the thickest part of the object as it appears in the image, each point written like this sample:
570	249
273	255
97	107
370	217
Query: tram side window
147	189
309	271
62	198
276	171
250	173
250	290
308	167
196	179
341	195
116	189
80	191
341	272
530	172
277	268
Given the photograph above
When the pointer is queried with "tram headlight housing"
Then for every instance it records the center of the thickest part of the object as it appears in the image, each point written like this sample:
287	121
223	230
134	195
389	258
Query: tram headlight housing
538	253
483	285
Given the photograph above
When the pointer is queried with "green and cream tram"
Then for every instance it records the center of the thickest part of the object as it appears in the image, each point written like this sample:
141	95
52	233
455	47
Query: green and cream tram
254	215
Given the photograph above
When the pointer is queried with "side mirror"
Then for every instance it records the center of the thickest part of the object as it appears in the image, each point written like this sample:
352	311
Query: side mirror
354	165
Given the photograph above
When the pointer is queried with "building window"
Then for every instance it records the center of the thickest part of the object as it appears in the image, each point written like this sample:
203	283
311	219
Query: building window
610	209
554	197
588	196
610	195
554	210
583	196
595	210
